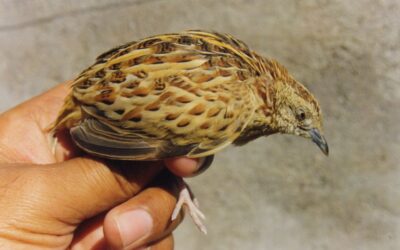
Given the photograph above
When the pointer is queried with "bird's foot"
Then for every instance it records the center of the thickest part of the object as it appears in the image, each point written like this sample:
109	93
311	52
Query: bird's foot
191	205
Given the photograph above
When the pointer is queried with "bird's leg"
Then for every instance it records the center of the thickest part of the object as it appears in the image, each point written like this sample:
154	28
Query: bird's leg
190	204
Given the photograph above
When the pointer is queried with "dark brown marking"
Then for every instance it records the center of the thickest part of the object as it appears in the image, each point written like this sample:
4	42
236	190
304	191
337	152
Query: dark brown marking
106	96
214	111
205	46
141	74
222	49
159	84
155	106
186	40
115	66
86	83
201	77
124	52
223	127
153	60
185	58
205	125
142	92
129	63
235	42
119	111
107	101
171	117
228	115
210	98
164	47
240	75
101	84
224	99
214	61
106	92
118	77
233	62
206	65
100	74
247	52
165	96
224	72
140	60
148	43
239	128
132	84
198	109
225	88
170	101
177	81
195	91
183	123
222	62
230	61
137	118
184	99
134	113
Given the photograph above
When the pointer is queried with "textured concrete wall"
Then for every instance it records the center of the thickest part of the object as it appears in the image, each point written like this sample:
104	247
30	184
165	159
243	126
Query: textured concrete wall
278	192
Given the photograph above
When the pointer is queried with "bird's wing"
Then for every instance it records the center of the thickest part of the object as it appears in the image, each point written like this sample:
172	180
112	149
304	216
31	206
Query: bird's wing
172	95
103	140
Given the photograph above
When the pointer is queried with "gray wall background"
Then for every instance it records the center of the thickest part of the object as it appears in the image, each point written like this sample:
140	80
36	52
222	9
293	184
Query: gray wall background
278	192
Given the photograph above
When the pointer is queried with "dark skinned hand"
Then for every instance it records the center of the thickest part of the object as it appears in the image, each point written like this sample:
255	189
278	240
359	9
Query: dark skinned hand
74	201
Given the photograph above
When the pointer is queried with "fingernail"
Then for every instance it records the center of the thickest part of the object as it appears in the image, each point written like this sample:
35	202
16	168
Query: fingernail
203	164
134	225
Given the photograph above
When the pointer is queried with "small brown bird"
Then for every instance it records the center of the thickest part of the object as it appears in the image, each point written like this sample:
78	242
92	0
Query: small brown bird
184	94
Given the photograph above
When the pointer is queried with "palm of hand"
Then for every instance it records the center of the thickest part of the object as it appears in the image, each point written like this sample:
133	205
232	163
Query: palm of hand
23	136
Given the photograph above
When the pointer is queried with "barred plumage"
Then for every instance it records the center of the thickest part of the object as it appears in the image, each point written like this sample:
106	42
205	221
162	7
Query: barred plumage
184	94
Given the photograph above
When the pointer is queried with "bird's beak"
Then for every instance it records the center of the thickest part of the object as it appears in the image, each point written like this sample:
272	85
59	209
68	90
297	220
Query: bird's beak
318	139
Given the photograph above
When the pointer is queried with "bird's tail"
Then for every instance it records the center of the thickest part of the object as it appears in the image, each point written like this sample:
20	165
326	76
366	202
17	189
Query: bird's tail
68	117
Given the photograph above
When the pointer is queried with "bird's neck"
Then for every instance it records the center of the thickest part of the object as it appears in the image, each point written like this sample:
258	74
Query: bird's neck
259	125
268	94
263	90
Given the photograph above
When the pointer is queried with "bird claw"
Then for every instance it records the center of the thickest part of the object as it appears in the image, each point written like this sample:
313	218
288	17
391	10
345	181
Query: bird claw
191	205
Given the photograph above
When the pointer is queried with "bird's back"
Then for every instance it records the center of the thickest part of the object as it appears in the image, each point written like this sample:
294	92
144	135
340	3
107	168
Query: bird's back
185	93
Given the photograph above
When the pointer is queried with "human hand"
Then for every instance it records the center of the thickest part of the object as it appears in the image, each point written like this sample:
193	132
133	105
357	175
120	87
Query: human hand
70	200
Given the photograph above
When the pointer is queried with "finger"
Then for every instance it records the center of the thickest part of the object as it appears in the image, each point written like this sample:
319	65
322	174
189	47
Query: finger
83	187
90	235
94	239
145	218
166	243
188	167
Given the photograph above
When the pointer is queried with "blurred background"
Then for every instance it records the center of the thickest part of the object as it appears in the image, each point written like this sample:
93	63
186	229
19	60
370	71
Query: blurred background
279	192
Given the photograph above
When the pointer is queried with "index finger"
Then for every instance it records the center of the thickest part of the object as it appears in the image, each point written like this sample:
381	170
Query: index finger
188	167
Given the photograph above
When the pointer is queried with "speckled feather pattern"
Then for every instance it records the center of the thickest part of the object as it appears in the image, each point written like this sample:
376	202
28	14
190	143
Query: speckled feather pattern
189	93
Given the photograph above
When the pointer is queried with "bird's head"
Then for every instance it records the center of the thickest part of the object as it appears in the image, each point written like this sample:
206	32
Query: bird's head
296	111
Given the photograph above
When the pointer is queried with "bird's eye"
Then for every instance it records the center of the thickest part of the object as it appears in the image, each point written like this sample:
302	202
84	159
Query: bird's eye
301	115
